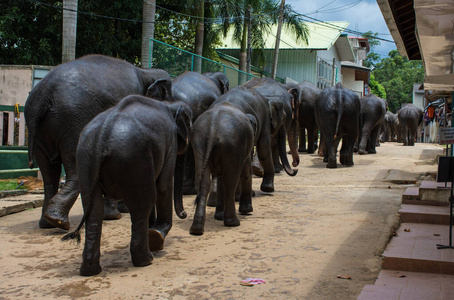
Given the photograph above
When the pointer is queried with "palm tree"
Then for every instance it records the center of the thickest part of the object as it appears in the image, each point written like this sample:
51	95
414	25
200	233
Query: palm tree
263	14
69	30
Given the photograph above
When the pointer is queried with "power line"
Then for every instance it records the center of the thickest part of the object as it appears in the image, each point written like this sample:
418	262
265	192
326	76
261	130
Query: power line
320	22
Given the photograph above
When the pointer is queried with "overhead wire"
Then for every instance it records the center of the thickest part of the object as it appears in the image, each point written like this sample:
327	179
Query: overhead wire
218	20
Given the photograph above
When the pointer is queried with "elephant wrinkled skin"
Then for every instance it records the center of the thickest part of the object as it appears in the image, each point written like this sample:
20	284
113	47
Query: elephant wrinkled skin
198	91
410	117
371	117
59	107
337	113
222	139
270	116
129	152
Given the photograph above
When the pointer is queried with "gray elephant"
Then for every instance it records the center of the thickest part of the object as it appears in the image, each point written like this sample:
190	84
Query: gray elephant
59	107
223	138
198	91
390	127
220	79
371	117
271	90
410	117
307	94
271	118
129	152
337	113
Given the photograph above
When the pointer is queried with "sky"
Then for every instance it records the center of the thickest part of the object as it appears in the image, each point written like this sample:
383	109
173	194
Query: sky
363	15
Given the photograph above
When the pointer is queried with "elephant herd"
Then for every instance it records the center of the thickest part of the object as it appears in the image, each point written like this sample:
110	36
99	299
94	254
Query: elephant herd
135	137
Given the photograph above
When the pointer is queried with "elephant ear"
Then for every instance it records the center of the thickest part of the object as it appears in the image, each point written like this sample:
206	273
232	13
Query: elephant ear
277	114
253	121
295	101
161	89
224	85
183	117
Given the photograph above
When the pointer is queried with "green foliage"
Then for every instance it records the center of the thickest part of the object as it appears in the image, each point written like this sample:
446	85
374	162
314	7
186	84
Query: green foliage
397	75
10	185
376	88
31	33
372	57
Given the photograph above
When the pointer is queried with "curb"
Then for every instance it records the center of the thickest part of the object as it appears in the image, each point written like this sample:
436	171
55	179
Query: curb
15	206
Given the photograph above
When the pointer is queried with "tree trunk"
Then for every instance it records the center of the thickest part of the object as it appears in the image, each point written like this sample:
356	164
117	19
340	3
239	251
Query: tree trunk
249	40
243	55
199	38
278	38
148	17
69	30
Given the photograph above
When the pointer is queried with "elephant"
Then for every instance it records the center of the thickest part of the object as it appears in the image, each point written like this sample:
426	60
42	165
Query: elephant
58	108
129	152
223	138
307	94
371	117
271	90
410	117
271	118
337	112
389	127
198	91
220	79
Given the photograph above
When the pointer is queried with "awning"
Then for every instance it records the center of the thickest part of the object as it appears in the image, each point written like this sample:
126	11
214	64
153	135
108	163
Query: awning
424	29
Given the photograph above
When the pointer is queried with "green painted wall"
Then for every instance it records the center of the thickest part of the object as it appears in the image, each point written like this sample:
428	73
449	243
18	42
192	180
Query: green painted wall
9	161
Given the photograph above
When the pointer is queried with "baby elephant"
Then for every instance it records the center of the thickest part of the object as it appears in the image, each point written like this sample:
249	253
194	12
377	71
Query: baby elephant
222	139
128	152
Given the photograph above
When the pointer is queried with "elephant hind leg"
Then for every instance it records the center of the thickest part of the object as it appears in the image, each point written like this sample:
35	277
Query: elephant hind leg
246	188
198	224
93	227
60	205
51	176
227	185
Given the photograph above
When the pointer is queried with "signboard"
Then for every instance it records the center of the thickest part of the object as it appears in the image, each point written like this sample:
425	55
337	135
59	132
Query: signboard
446	135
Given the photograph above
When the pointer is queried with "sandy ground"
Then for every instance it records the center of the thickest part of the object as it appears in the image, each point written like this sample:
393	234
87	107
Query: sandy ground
317	225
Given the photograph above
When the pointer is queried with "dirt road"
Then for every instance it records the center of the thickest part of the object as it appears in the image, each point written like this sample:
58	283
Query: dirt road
317	225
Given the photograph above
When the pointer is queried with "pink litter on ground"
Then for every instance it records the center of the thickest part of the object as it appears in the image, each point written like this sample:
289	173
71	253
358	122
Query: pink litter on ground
254	280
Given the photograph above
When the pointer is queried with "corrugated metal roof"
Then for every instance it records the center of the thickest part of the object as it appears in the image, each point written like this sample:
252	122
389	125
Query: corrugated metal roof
322	35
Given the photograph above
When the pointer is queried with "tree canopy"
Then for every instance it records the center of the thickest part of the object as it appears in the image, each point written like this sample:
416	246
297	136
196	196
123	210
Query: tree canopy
31	32
397	75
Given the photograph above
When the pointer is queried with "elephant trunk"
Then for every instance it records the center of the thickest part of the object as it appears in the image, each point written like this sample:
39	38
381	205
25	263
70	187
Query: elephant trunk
283	153
293	144
178	187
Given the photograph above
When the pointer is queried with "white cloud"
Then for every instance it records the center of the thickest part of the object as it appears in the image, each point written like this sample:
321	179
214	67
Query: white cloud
364	16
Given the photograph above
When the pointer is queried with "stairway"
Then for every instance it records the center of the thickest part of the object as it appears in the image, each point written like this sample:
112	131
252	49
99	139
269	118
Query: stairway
413	266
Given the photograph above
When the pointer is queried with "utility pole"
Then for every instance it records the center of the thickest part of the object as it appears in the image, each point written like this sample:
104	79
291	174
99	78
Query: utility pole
69	30
278	38
148	17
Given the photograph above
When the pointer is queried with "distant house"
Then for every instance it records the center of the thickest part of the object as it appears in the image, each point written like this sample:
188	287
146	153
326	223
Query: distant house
355	76
318	62
16	81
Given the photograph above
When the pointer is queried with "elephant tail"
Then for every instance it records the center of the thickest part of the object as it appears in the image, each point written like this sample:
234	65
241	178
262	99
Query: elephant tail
340	111
99	155
36	108
203	171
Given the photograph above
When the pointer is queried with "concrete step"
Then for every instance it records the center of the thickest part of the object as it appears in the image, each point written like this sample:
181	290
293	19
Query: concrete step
15	204
414	249
411	193
409	285
434	191
410	213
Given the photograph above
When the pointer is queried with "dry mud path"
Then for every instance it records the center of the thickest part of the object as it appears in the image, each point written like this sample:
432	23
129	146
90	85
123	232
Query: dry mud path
316	226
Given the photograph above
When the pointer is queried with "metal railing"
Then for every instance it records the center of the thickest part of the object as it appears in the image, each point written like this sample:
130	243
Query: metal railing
177	61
